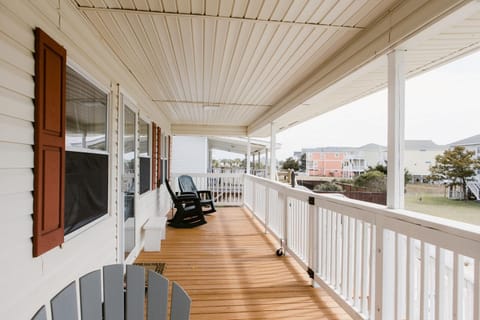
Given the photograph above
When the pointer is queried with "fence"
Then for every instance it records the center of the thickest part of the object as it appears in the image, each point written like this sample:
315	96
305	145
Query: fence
377	263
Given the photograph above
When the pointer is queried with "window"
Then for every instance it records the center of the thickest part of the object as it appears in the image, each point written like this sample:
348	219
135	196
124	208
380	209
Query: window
86	114
86	167
144	143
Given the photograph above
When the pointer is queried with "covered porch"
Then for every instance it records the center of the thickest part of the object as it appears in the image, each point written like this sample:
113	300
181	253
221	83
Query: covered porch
230	270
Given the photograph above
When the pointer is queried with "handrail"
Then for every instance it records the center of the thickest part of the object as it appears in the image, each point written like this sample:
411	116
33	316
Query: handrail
376	262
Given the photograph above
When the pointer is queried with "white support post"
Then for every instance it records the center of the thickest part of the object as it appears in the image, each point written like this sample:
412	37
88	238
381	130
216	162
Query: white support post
249	154
273	155
396	130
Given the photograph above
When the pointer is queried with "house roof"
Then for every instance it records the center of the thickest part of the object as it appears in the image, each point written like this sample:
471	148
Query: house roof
235	67
423	145
473	140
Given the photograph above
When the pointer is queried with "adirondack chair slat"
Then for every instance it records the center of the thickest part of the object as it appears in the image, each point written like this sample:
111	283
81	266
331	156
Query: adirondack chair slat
113	292
91	296
64	304
180	303
135	292
118	303
157	296
41	314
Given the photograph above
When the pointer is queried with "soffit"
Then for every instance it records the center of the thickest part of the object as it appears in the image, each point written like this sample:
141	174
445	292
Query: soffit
212	65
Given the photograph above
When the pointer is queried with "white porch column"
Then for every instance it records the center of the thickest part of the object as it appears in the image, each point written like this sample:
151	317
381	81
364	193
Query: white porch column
249	154
396	130
273	154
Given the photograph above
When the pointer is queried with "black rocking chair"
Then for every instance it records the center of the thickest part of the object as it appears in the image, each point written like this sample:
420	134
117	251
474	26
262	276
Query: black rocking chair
188	212
188	187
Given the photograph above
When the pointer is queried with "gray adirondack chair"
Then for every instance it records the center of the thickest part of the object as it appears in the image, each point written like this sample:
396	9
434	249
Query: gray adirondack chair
119	302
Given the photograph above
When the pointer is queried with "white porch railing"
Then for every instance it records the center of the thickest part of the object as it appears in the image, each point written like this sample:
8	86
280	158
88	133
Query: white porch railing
226	188
377	263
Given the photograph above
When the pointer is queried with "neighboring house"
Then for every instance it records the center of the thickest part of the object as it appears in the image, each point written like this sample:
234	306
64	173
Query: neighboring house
343	162
420	156
472	144
325	162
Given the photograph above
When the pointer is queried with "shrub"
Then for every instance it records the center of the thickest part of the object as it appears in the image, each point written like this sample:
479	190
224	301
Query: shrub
327	187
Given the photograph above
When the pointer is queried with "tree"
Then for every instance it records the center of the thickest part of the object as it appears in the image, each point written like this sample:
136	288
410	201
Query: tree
373	180
290	163
302	166
456	165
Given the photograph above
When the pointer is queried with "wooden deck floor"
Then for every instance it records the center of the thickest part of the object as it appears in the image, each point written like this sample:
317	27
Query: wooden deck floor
230	270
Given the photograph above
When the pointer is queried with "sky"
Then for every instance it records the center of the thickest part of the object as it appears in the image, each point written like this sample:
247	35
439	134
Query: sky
442	105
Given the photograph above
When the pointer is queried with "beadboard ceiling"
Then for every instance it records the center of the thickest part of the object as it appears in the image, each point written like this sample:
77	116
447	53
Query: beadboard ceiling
232	67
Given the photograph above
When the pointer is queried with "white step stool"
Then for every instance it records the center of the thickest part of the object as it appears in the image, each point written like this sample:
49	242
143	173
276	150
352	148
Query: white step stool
154	233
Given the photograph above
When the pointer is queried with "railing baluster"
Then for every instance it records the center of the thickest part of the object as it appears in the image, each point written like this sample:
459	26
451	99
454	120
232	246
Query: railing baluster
423	290
476	289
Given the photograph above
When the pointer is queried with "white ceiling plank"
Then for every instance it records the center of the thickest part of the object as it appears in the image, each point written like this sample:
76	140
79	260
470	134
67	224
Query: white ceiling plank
198	48
85	3
198	7
189	55
239	59
231	46
280	10
155	5
127	4
208	56
267	10
220	41
225	8
274	55
173	25
142	5
295	9
286	57
167	45
170	5
253	9
183	6
105	3
260	46
308	11
347	17
148	37
239	8
323	11
336	11
158	34
211	7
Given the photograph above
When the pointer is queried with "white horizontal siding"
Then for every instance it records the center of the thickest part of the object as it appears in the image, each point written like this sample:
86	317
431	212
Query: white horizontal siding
15	130
16	180
16	105
31	282
16	156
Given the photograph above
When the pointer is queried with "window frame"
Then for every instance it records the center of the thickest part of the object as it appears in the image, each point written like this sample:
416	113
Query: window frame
107	152
150	125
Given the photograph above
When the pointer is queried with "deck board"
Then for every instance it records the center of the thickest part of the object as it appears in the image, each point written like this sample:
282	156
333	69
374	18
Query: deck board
229	268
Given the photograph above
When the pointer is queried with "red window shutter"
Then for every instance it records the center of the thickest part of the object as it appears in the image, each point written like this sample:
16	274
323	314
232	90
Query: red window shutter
49	172
159	156
154	155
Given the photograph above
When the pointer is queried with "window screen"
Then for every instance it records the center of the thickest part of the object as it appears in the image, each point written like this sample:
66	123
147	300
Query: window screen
86	172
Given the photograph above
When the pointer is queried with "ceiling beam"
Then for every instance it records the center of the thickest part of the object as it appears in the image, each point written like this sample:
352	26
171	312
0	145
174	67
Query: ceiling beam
208	130
216	104
217	18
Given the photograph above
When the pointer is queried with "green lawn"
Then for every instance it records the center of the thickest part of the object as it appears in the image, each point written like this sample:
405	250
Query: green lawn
431	200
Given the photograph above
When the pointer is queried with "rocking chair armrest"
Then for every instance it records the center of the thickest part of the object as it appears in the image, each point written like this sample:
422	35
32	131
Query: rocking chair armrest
187	196
207	193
